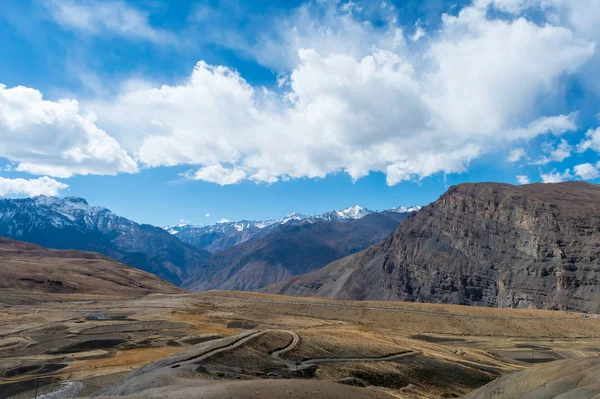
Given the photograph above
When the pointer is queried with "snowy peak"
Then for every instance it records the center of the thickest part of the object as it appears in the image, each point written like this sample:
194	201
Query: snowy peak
67	205
405	209
225	226
73	212
72	223
354	212
177	228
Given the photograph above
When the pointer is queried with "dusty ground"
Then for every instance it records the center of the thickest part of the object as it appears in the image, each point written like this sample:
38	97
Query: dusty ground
573	378
94	343
29	268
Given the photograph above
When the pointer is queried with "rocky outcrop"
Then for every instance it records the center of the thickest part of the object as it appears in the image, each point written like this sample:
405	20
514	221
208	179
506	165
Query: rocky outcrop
487	244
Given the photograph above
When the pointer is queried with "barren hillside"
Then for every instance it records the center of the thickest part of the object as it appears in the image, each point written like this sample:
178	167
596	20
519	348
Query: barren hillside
28	268
486	244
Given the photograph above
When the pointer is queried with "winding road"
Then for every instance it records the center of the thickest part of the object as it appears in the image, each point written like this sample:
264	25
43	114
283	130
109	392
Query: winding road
291	364
243	338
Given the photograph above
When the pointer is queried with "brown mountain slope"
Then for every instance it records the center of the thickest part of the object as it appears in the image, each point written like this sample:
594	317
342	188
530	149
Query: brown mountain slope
27	267
289	251
480	244
572	378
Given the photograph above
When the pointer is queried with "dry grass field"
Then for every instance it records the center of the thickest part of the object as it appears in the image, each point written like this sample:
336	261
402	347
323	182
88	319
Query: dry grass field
232	344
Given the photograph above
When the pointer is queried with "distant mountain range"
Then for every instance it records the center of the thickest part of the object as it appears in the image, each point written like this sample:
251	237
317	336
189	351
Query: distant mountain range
180	254
71	223
224	235
290	249
484	244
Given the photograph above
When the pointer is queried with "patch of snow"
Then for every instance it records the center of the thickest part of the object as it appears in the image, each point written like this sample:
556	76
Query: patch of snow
354	212
404	209
239	226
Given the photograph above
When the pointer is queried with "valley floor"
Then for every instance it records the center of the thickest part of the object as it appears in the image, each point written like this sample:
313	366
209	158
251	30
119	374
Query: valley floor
231	344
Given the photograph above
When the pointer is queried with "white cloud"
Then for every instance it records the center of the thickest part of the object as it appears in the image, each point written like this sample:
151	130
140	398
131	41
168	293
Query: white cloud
558	154
523	179
324	26
366	109
54	138
223	221
40	186
591	142
113	17
207	215
579	15
353	96
556	177
491	73
419	32
561	152
350	6
586	171
516	154
218	174
555	125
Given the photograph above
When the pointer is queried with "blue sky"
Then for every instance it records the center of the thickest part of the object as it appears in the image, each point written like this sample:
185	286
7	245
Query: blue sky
170	110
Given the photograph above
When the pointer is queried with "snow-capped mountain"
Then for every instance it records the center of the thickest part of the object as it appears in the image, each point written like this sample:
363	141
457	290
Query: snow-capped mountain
71	223
405	209
19	217
278	253
223	235
351	213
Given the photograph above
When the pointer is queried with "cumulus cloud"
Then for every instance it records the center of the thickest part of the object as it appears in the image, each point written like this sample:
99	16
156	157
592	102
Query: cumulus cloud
106	17
54	138
591	141
555	154
352	96
218	174
556	177
580	16
490	73
325	26
32	187
586	171
207	215
555	125
523	179
370	106
516	154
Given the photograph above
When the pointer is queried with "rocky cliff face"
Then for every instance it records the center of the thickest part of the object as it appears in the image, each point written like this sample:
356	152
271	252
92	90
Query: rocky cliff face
480	244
